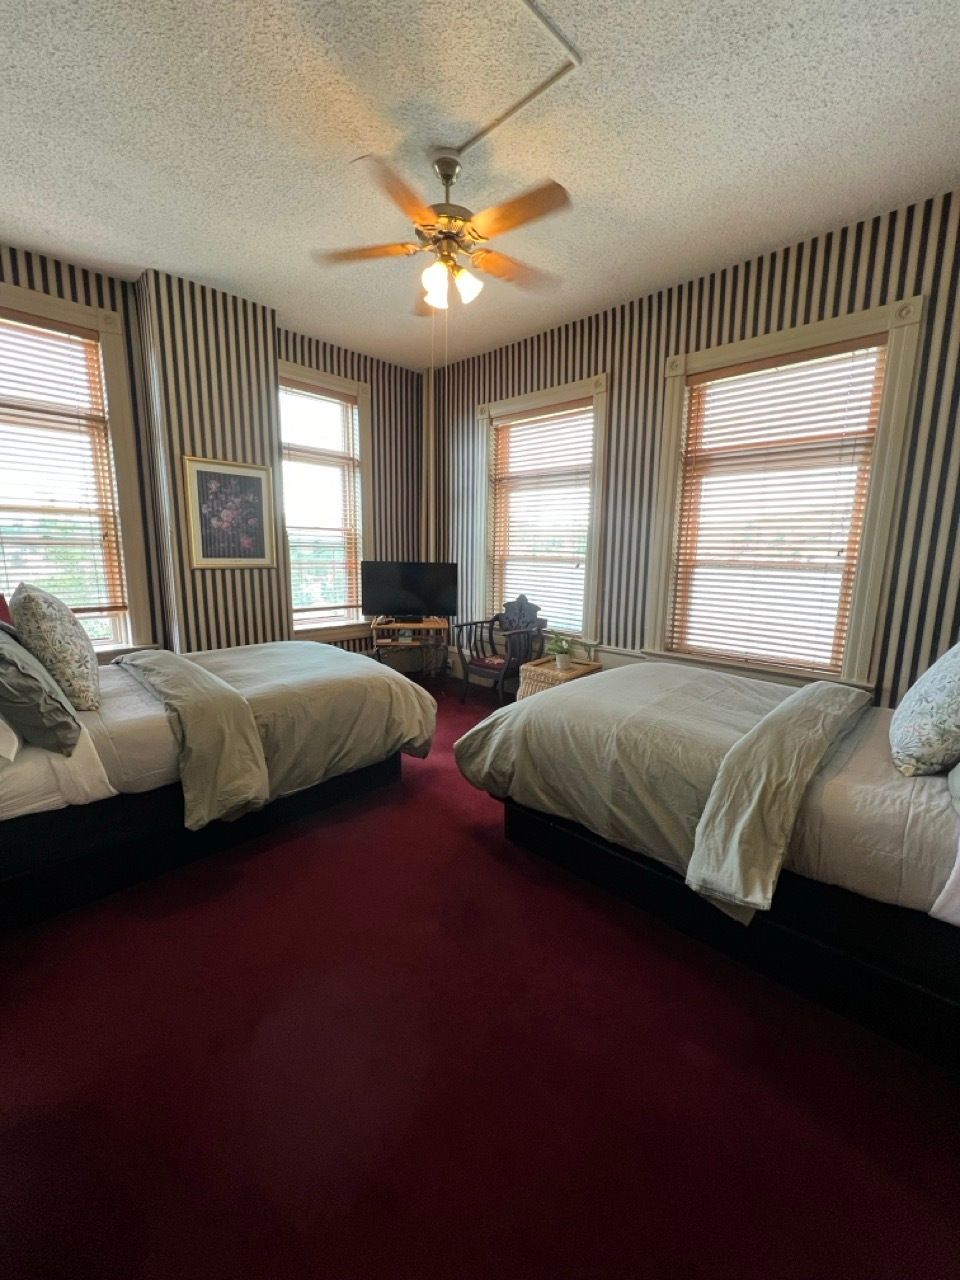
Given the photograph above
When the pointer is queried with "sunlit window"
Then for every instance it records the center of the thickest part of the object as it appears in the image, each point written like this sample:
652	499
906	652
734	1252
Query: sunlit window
542	509
59	527
775	476
319	431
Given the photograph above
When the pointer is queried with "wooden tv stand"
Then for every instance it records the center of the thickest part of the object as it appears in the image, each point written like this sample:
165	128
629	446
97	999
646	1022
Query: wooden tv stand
430	635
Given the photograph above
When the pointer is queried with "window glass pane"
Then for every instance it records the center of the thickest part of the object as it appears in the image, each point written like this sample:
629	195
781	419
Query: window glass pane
44	367
313	495
319	569
556	586
542	510
774	483
64	555
321	488
59	527
315	421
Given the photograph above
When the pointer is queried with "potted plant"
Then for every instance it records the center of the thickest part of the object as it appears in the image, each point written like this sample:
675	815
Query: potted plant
562	649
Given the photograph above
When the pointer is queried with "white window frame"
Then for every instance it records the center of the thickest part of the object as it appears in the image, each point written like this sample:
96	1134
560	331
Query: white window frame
121	433
328	382
594	389
901	322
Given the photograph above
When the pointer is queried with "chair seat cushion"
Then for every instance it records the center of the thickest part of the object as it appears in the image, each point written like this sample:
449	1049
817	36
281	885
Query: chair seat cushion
489	664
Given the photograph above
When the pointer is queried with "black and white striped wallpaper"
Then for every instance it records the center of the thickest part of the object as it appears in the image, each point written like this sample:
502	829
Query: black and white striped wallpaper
211	379
63	280
910	251
395	410
203	380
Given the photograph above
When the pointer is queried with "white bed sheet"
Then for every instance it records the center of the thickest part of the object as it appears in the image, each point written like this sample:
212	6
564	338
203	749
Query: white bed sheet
133	734
128	745
40	780
867	828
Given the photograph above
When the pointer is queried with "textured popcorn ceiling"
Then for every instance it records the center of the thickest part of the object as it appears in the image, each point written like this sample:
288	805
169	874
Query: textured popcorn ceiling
214	140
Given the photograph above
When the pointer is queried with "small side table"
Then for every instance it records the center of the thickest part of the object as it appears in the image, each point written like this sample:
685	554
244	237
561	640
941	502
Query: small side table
544	674
430	636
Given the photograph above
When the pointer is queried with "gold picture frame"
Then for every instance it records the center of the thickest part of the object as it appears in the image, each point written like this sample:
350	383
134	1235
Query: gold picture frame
230	514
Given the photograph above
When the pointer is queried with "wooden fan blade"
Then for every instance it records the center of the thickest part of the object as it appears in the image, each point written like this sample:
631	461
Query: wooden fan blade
506	268
533	204
368	251
402	195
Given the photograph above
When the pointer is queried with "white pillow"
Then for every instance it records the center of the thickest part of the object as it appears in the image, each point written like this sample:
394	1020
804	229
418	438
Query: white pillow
925	729
9	744
53	634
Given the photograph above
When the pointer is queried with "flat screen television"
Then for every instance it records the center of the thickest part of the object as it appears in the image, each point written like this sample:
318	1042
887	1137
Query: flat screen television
408	588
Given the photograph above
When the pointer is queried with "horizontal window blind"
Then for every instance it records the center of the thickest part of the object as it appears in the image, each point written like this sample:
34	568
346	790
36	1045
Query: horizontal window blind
320	436
773	490
542	506
59	527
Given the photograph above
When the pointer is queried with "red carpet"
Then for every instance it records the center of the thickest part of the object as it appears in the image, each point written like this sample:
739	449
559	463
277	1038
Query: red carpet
388	1044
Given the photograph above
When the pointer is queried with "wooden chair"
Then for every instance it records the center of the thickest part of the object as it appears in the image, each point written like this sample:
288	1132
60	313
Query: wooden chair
496	648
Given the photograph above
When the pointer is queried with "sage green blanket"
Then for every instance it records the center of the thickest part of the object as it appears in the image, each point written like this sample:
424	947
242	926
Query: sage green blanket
222	766
262	721
747	821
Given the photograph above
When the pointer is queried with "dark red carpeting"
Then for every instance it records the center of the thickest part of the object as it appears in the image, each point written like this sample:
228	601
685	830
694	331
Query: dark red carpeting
388	1044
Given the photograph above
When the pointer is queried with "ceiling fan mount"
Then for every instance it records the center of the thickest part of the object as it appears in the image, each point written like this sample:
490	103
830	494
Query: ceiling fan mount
450	231
447	169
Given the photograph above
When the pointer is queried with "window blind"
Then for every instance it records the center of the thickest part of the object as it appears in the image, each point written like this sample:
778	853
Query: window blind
542	504
59	527
320	437
773	490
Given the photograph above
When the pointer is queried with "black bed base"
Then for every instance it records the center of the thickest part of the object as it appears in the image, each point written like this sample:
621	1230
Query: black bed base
63	858
895	970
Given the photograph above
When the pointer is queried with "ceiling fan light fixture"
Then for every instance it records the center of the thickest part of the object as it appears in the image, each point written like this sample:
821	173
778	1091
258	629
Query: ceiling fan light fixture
468	285
434	277
436	280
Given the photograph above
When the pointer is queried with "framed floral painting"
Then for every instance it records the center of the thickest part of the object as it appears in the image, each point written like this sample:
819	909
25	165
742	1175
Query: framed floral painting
230	510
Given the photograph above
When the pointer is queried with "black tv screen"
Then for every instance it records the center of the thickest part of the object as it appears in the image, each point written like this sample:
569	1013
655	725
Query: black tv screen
408	588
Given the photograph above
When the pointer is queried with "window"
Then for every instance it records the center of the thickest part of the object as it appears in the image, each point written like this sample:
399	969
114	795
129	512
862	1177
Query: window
59	518
775	507
320	428
543	504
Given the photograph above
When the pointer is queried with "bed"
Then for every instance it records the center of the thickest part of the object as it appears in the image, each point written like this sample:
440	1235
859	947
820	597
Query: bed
618	776
182	741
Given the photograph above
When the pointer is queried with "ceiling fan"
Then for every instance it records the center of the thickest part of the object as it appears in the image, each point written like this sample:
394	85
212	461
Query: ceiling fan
454	236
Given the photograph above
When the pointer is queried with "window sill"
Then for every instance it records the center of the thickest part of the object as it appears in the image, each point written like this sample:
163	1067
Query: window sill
756	671
333	631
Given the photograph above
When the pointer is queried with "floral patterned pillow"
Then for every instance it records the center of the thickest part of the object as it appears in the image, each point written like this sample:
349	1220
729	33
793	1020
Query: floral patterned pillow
953	783
53	634
925	729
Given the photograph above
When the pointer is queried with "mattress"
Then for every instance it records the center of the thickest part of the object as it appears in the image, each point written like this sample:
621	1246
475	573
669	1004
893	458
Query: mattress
867	828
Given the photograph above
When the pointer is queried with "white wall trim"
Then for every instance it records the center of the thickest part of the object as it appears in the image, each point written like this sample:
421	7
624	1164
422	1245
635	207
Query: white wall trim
610	656
122	434
901	322
334	631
